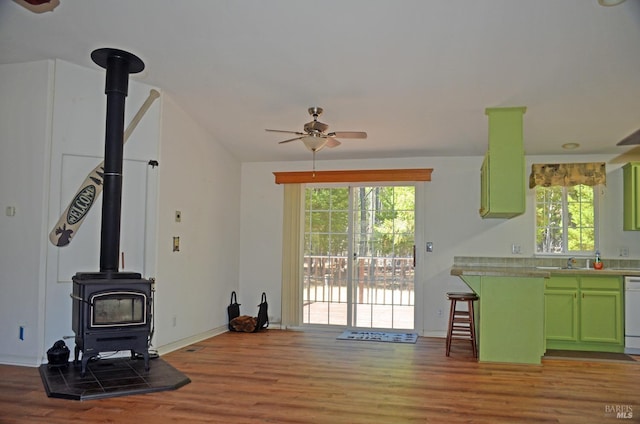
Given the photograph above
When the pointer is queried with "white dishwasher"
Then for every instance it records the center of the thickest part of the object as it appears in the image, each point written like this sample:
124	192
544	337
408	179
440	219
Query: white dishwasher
632	315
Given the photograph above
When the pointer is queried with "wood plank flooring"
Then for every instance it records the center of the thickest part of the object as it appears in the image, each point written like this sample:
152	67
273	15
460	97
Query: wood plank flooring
310	377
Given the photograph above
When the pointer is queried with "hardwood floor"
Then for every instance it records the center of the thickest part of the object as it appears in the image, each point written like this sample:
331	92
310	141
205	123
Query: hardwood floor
310	377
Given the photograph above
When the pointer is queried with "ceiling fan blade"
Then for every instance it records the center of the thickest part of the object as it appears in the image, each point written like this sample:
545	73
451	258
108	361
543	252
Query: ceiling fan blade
291	139
631	155
633	138
348	134
287	132
332	142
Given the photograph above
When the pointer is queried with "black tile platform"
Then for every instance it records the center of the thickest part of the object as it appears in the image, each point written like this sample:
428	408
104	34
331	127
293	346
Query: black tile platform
110	378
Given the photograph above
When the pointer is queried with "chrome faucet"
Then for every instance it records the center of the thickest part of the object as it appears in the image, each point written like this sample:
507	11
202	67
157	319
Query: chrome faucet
570	262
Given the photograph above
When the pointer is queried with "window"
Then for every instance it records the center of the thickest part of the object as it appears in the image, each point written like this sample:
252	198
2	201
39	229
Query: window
566	219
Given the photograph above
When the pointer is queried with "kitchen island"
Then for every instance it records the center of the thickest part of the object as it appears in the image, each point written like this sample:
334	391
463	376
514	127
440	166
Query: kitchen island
511	309
510	316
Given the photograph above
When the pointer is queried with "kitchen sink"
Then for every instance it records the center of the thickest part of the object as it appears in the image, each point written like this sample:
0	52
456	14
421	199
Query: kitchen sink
575	268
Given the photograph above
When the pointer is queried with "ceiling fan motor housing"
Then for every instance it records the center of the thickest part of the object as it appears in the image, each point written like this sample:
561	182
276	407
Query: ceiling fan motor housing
315	127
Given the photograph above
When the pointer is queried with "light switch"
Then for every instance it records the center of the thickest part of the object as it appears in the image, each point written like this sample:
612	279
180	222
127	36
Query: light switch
429	246
11	211
176	244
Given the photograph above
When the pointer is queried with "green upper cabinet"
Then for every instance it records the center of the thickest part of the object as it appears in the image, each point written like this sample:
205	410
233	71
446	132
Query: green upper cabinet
502	176
631	202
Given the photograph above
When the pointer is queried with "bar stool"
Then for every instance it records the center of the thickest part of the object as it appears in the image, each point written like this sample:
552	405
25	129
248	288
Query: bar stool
461	323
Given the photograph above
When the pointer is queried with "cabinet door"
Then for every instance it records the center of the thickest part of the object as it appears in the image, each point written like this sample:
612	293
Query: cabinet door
561	314
601	316
503	173
484	186
631	200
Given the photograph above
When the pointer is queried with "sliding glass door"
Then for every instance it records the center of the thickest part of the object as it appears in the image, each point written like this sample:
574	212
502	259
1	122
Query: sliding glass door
359	257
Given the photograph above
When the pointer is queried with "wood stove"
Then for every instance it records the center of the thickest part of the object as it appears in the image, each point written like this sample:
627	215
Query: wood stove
111	314
112	310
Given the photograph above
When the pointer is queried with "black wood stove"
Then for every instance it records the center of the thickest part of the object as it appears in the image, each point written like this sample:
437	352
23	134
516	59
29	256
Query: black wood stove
112	310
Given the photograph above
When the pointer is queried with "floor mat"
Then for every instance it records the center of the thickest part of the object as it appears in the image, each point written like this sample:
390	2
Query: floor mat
379	336
587	356
110	378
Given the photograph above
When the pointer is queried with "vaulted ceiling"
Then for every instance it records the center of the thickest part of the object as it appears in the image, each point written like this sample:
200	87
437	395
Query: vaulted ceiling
416	75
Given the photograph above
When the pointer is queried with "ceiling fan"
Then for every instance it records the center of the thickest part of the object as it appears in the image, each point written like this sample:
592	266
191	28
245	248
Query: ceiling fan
630	155
314	136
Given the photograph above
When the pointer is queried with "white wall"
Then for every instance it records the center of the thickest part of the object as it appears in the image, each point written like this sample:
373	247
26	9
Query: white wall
77	140
39	131
450	220
25	97
202	180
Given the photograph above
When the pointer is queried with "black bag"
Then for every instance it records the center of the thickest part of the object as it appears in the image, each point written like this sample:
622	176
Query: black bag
261	321
233	310
263	314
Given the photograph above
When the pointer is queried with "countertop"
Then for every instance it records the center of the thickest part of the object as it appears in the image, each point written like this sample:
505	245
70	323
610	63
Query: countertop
535	272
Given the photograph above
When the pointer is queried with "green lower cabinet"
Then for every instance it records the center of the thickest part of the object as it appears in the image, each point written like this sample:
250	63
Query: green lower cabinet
584	313
561	315
600	317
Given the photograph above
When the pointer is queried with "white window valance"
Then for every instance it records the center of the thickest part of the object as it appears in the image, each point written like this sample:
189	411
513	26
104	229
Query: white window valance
567	174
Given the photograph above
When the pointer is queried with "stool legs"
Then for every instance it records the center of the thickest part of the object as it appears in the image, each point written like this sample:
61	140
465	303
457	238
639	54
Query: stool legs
462	324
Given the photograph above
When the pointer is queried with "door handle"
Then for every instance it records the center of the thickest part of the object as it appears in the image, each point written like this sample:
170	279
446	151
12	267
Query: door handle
414	255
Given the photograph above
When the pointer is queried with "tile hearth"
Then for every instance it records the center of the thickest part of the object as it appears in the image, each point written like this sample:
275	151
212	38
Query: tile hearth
110	378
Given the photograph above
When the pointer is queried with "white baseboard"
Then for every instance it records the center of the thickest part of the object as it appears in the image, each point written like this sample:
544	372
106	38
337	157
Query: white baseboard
439	334
21	361
179	344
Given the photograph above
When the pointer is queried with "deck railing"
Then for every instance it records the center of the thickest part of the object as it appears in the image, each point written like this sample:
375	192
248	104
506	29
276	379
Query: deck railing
377	280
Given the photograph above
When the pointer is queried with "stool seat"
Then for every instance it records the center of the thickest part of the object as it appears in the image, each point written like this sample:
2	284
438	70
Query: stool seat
461	322
462	296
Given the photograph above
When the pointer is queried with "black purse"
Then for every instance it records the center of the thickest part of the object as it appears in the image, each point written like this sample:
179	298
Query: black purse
233	310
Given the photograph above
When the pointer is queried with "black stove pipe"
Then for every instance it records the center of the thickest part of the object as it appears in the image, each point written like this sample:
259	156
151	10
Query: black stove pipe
119	64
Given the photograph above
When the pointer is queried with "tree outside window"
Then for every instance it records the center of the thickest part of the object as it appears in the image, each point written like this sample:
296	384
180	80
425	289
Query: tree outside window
565	219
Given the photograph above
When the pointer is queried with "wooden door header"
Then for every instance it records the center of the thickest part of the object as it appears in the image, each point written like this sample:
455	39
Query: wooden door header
357	176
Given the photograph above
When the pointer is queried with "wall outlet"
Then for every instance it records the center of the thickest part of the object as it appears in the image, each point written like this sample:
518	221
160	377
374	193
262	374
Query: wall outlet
516	249
624	252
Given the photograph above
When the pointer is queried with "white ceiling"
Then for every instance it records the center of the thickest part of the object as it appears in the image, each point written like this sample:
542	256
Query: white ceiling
416	75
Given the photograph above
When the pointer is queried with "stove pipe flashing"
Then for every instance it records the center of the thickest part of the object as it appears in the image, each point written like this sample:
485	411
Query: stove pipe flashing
118	64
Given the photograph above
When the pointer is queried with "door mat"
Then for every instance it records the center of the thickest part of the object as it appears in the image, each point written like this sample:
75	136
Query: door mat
588	356
107	378
379	336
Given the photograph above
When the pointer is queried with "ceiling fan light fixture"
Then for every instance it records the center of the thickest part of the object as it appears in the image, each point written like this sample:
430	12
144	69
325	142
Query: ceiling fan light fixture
314	143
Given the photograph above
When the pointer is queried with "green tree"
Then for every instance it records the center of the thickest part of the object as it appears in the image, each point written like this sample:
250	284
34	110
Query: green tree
561	210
